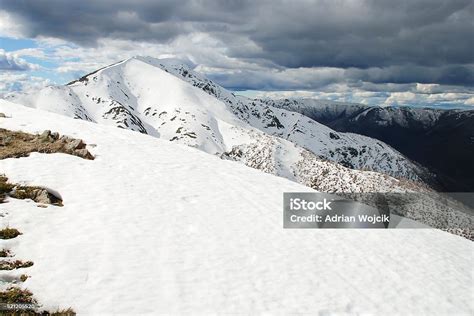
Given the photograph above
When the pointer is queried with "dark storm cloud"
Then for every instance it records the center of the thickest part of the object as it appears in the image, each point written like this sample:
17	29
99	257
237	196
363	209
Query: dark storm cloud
365	34
378	41
84	22
448	75
394	78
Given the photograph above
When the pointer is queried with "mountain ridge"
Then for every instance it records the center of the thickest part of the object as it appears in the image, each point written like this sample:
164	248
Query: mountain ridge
172	101
440	139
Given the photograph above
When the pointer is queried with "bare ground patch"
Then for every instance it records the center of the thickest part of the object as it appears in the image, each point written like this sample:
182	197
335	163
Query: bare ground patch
15	301
37	194
9	233
5	253
19	144
15	264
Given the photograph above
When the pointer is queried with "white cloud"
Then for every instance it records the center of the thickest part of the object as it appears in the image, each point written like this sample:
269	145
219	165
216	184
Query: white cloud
470	101
399	98
426	88
14	81
12	62
10	26
345	93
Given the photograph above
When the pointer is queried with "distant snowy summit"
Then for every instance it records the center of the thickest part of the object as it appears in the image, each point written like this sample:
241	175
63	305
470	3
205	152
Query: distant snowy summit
167	99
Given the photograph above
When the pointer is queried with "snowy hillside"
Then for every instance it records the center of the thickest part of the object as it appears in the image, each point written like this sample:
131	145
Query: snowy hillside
169	100
447	135
153	227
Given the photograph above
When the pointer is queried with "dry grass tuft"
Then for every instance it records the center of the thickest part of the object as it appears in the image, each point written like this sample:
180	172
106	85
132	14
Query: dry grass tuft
5	253
63	312
17	264
18	297
18	144
14	295
9	233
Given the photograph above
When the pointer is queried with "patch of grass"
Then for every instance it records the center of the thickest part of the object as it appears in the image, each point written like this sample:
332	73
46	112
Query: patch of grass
22	312
16	295
5	188
12	265
23	277
5	253
4	185
63	312
23	192
31	312
9	233
19	144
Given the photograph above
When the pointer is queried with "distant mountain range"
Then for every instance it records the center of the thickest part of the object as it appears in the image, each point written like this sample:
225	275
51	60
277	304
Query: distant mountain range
167	99
441	140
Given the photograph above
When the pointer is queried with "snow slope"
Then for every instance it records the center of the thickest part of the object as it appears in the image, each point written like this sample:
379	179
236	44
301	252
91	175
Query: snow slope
351	150
169	100
153	227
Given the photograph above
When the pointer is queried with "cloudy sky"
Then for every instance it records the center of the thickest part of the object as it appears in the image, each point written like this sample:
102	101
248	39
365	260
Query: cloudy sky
405	52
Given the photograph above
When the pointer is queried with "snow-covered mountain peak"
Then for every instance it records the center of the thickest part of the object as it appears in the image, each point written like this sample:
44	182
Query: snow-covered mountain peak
168	99
167	62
